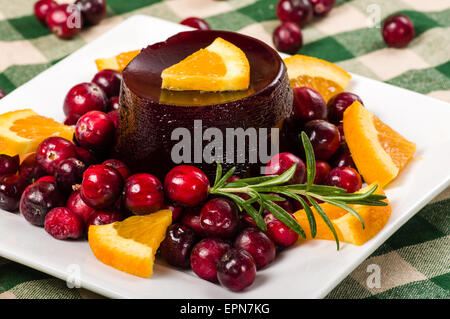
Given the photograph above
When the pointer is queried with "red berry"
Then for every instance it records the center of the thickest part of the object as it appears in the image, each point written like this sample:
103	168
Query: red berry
322	170
9	164
186	185
346	178
288	38
324	137
281	162
93	11
236	269
257	244
64	21
52	151
85	155
82	98
95	131
47	179
177	245
322	7
120	166
219	218
103	218
11	189
398	31
308	105
343	157
143	194
76	204
191	218
206	255
68	173
281	234
62	223
42	8
113	103
115	117
109	81
196	23
338	104
177	211
38	199
297	11
101	186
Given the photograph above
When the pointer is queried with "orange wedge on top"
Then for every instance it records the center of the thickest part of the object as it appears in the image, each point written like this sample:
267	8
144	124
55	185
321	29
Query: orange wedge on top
378	151
221	66
325	77
348	228
130	245
118	62
22	131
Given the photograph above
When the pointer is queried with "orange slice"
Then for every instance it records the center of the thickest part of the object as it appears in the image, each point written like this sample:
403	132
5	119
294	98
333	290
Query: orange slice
22	131
378	151
221	66
348	227
323	76
118	62
130	245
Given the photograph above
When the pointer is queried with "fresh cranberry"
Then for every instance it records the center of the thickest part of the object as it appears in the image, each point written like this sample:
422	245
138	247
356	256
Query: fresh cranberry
288	38
65	21
177	245
95	130
85	155
196	23
219	218
341	133
50	179
42	8
308	105
338	104
233	179
11	189
2	93
101	186
297	11
281	162
82	98
143	194
322	7
343	157
103	218
186	185
115	117
177	211
257	244
109	81
324	137
398	31
93	11
62	223
9	164
206	255
120	166
236	269
322	170
346	178
76	204
281	234
113	103
68	173
52	151
191	218
38	199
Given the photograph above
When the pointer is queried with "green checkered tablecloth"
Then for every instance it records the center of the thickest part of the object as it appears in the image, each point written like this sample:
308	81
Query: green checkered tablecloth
415	261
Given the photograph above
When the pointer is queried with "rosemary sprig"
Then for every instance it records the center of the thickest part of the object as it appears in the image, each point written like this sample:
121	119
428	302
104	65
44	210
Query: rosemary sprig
257	188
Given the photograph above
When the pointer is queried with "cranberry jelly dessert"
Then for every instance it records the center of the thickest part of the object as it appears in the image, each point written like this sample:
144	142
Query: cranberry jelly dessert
149	114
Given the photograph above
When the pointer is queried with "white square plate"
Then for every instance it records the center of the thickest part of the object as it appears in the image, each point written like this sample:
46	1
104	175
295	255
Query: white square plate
309	270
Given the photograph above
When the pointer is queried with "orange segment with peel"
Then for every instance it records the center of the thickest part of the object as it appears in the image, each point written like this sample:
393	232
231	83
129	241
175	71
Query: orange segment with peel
118	62
325	77
221	66
348	228
378	151
22	131
130	246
